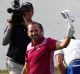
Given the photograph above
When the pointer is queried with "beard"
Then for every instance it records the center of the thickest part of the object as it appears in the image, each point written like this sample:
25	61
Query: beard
35	37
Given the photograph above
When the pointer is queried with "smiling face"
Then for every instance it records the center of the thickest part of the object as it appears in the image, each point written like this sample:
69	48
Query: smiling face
34	31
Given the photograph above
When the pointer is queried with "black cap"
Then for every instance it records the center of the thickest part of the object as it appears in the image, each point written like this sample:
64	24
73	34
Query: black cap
27	6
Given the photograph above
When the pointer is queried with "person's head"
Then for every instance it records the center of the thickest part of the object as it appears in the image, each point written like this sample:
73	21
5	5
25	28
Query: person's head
27	10
35	31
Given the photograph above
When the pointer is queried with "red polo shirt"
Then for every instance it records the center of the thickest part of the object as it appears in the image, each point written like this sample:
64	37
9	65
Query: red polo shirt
39	56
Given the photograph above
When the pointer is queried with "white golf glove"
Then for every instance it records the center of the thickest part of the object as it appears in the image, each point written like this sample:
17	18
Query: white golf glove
70	31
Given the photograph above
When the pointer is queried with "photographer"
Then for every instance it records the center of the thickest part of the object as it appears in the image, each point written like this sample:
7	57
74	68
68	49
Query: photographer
16	36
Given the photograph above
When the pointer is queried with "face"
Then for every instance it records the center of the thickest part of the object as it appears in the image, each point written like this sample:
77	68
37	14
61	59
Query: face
27	15
34	32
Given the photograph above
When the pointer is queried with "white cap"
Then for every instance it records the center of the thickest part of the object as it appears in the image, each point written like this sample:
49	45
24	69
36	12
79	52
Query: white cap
67	14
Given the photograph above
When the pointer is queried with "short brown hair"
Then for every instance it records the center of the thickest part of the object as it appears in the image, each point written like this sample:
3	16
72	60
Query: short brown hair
40	25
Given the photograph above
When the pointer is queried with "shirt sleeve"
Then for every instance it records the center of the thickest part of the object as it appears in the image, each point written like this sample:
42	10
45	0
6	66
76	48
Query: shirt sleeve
57	52
6	37
26	57
51	44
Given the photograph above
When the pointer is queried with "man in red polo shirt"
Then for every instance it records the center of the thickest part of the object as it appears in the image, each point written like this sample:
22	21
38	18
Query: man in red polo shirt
38	58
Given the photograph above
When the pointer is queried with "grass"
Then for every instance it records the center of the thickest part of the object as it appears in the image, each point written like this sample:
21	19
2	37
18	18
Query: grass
6	72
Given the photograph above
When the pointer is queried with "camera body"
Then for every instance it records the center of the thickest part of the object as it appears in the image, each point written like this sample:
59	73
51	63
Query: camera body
16	13
15	7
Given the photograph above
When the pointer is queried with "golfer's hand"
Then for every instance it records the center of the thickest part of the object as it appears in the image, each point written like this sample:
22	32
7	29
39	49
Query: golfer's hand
70	31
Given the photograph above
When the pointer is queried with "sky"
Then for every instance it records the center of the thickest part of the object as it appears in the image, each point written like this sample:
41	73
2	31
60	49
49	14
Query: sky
46	12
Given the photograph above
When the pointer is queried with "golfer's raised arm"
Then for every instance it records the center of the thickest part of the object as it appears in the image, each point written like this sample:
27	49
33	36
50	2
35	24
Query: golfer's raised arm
67	16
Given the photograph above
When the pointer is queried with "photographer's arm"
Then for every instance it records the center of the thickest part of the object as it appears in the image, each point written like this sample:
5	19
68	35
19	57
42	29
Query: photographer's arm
7	34
6	37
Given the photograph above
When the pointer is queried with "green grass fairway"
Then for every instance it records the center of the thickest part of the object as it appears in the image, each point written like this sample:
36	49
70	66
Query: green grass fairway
4	72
